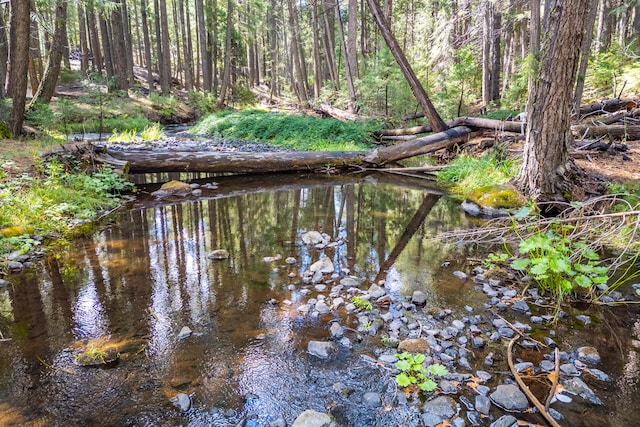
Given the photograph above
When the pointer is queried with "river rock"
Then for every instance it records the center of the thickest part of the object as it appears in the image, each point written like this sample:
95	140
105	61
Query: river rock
493	201
218	254
15	266
376	291
460	275
520	306
597	373
349	282
588	355
419	298
438	410
321	349
172	188
322	307
578	387
4	283
417	345
312	238
323	266
311	418
510	397
483	404
185	332
505	421
182	401
372	400
336	330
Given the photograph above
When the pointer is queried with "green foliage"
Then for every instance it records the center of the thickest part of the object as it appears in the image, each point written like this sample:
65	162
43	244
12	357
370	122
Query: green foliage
362	304
154	132
166	105
55	202
202	103
413	372
468	173
288	131
515	96
559	264
604	70
500	114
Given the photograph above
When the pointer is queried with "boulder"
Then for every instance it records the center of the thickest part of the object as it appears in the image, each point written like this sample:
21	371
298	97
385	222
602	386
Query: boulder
510	398
322	266
311	418
493	201
173	188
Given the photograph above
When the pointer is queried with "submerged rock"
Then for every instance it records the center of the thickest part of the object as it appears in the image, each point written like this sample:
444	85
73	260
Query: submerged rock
322	266
311	418
510	398
185	332
182	401
173	188
578	387
321	349
438	410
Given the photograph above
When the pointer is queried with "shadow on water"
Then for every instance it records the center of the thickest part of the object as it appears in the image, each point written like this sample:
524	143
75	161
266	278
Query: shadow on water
137	283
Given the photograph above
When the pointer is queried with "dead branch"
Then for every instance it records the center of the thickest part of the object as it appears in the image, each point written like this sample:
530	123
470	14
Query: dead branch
556	376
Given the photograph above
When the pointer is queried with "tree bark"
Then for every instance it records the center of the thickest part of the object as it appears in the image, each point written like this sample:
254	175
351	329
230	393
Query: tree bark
119	48
165	75
94	39
418	91
347	61
205	56
187	49
545	172
19	61
52	70
84	51
147	45
4	55
226	73
299	84
585	49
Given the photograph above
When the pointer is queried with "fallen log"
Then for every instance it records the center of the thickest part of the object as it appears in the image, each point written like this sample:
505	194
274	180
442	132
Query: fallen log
474	122
236	162
609	106
419	146
337	113
612	131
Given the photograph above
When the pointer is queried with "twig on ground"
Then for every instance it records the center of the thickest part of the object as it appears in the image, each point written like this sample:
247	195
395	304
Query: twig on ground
556	376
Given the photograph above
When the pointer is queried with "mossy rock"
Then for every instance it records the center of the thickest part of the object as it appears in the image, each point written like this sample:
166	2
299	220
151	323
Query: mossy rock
97	356
173	188
493	200
15	230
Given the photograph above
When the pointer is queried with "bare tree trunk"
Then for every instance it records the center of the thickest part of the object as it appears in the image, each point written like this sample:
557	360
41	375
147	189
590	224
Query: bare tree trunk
147	45
48	83
352	39
4	55
534	42
545	172
106	46
418	91
205	57
94	39
127	42
19	61
603	32
317	65
165	72
298	77
119	49
187	49
84	52
136	22
226	73
347	62
490	53
585	49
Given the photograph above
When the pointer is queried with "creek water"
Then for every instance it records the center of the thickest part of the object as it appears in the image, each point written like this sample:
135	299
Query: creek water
137	282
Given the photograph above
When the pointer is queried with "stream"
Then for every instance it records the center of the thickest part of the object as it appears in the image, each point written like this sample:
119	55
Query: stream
135	285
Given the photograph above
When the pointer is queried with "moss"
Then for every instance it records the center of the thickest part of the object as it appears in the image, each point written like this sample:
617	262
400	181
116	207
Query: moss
497	197
15	230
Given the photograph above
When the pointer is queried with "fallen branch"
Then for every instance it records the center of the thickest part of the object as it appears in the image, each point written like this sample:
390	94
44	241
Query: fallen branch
532	398
556	376
337	113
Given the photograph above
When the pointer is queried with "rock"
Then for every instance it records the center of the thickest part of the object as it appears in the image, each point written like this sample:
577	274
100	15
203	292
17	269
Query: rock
322	307
346	342
321	349
418	345
219	254
588	355
376	291
419	298
460	275
311	418
172	188
523	366
447	387
323	266
372	400
597	373
505	421
483	404
569	369
276	257
280	422
510	398
547	365
349	282
459	325
185	332
196	193
578	387
438	410
290	260
304	308
520	306
584	319
493	201
477	342
4	283
312	238
336	330
182	401
15	266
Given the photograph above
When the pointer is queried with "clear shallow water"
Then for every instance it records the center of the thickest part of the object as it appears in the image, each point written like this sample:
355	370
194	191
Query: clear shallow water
136	283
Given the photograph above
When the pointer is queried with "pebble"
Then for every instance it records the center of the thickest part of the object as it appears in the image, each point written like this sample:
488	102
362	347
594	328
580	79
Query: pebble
185	332
510	397
336	330
584	319
483	404
419	298
588	355
321	349
520	306
437	410
4	283
311	418
457	324
182	401
505	421
460	275
597	373
372	400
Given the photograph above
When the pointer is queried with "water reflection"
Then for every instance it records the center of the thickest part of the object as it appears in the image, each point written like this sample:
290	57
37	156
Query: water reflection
137	283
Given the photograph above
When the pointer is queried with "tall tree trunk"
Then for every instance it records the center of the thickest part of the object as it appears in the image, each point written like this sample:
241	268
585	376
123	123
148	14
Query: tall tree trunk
176	36
490	53
37	67
165	74
4	54
317	65
106	47
147	45
186	46
603	33
534	43
84	52
352	38
205	57
329	48
226	73
430	112
545	171
19	61
119	49
52	70
298	76
136	22
95	40
128	42
351	88
585	49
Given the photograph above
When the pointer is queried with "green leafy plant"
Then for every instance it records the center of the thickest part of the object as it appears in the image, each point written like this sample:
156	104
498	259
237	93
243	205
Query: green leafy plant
153	132
362	304
413	371
559	264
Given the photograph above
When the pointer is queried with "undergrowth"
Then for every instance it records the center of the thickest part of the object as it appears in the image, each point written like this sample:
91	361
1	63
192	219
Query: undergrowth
53	203
467	173
289	131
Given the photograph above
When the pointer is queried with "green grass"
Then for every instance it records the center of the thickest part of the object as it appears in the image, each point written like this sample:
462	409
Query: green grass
289	131
467	173
154	132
